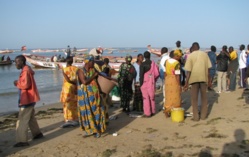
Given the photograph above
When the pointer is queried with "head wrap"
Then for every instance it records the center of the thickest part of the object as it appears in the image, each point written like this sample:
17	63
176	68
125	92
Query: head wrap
88	59
178	53
128	57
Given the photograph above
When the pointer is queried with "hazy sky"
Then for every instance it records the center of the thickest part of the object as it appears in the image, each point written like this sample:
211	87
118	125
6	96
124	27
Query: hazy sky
122	23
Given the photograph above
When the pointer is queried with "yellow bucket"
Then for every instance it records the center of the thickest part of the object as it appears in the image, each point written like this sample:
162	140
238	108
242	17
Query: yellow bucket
177	114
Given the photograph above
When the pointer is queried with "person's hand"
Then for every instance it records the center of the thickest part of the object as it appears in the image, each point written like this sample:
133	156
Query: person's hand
15	82
245	80
209	84
95	74
185	88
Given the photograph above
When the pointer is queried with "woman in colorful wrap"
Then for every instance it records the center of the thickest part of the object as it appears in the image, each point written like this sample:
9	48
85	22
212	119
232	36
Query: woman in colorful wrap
126	75
69	94
172	82
90	106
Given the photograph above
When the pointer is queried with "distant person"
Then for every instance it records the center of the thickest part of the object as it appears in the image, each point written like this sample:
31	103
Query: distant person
222	66
172	82
164	57
91	109
232	68
149	72
55	58
138	97
126	75
242	66
69	94
183	76
28	96
3	57
8	58
197	67
212	56
96	52
59	58
68	52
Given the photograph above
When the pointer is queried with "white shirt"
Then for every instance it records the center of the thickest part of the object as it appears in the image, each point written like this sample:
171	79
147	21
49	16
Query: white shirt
242	59
94	52
165	56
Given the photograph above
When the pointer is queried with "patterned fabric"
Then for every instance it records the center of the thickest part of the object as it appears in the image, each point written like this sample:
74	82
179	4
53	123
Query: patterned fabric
91	109
172	89
68	95
138	99
126	75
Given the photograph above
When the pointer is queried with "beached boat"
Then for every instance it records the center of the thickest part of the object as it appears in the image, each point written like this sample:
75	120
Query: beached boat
6	51
45	62
5	63
41	50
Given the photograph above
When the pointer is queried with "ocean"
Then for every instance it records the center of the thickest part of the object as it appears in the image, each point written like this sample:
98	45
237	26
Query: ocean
49	81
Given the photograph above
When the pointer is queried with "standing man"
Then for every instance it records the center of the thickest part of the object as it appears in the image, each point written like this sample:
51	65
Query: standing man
164	57
197	67
242	66
222	66
232	68
212	57
28	96
149	73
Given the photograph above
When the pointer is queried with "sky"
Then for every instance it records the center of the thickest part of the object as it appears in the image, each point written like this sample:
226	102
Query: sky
122	23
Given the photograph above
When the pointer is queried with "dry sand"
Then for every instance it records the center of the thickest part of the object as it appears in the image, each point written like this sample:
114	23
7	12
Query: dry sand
225	131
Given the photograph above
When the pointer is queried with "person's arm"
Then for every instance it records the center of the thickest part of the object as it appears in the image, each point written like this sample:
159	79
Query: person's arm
83	79
24	82
187	80
141	74
67	79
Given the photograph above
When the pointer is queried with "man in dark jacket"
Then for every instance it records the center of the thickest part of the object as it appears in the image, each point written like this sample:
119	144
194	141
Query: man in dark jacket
222	66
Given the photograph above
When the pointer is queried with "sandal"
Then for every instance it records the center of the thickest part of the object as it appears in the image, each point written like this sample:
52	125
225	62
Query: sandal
97	135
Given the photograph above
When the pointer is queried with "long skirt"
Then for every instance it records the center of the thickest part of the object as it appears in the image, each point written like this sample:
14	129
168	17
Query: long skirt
172	92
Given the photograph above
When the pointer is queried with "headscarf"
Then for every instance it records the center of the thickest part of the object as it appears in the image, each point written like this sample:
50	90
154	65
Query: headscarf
178	53
88	59
128	57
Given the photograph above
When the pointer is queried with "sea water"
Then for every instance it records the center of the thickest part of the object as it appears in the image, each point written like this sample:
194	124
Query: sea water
49	81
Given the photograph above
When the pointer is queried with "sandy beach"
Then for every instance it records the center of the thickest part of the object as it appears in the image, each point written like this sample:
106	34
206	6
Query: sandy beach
226	130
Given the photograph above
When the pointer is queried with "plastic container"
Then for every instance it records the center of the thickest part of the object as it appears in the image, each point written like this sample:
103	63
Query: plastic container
105	84
177	114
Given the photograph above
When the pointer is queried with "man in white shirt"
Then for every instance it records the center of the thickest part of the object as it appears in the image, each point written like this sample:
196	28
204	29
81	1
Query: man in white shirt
242	66
164	57
96	51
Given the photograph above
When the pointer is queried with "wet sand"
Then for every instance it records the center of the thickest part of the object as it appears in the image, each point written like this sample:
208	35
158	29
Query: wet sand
226	130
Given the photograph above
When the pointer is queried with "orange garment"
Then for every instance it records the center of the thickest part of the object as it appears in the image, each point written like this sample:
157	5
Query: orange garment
26	84
69	94
172	88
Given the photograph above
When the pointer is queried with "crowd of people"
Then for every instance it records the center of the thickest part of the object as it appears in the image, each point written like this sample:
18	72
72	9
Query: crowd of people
86	106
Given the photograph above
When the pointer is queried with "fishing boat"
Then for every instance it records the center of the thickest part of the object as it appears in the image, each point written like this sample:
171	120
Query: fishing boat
45	62
5	63
6	51
41	50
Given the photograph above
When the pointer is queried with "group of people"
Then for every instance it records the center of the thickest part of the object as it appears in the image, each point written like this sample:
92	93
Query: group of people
3	58
86	106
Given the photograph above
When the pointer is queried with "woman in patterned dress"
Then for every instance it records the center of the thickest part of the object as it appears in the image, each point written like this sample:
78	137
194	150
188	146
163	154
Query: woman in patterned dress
172	82
68	94
127	73
91	109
